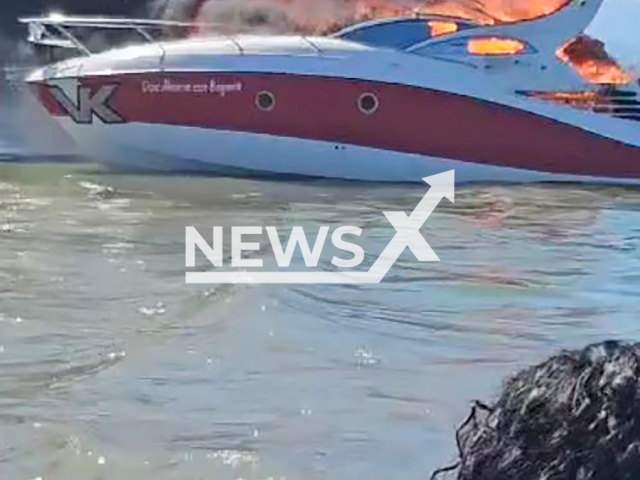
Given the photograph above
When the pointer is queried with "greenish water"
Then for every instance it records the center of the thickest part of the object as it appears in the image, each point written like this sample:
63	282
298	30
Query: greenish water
112	368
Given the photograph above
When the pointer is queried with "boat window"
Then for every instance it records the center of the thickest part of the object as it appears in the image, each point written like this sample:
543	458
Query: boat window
593	63
368	103
402	33
265	101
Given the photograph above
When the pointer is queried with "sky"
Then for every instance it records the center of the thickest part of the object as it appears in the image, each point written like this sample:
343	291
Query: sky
618	24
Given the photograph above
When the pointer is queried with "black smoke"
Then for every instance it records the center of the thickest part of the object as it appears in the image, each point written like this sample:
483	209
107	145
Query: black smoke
10	10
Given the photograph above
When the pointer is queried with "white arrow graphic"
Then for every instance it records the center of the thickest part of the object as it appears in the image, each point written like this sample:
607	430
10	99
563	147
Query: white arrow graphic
407	236
408	227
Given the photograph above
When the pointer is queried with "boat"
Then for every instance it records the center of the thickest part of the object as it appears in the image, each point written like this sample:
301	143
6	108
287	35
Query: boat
386	100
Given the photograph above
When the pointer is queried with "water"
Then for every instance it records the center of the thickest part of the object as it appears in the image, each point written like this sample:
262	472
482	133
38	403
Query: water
112	368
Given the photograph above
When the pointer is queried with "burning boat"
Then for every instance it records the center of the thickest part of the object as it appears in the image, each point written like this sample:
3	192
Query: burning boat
394	99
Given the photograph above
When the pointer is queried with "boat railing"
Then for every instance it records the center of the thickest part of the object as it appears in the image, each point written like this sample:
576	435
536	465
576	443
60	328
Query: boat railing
60	31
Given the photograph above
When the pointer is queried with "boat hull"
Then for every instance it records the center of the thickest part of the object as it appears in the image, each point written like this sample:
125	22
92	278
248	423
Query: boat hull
213	122
162	148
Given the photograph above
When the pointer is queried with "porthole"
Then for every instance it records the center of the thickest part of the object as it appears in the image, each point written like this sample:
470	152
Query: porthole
368	103
265	101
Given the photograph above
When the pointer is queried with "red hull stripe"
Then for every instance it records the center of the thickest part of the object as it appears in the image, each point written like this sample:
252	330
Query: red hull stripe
409	119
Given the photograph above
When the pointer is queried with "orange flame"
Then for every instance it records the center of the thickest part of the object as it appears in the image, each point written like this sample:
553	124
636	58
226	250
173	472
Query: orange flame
373	9
440	27
592	62
494	46
587	100
483	11
304	16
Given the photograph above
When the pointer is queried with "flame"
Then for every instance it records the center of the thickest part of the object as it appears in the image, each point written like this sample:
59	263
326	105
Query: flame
494	46
313	16
589	58
586	100
372	9
486	12
598	73
592	62
440	27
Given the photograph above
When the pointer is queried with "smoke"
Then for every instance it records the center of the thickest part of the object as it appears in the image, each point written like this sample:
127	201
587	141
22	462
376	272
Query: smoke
591	60
25	128
586	55
265	15
302	16
313	16
8	52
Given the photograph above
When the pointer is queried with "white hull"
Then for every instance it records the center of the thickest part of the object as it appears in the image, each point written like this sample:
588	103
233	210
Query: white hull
162	148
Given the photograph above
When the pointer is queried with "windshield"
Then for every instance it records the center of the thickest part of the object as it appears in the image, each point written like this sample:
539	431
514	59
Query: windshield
493	11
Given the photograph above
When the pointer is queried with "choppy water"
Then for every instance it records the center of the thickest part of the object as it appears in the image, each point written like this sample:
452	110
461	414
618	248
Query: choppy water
112	368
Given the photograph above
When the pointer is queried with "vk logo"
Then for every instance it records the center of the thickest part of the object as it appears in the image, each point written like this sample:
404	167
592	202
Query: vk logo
90	103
